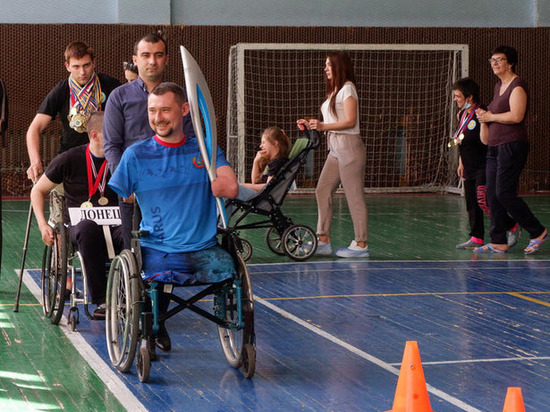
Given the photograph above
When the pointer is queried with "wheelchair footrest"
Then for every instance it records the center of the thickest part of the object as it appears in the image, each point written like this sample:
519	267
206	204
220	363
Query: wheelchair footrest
232	316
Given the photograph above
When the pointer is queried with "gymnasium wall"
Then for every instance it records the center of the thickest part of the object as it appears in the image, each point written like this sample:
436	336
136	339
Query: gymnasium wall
344	13
32	63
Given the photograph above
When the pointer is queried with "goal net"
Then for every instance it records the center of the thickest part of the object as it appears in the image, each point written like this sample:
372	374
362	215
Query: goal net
405	101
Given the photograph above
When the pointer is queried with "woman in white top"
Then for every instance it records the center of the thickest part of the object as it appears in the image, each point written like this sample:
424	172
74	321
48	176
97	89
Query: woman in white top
346	159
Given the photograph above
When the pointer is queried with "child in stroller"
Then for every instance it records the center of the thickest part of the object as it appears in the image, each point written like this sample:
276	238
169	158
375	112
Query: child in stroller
283	237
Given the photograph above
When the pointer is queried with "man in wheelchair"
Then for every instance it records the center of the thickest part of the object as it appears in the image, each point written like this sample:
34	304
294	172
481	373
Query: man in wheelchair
84	173
177	201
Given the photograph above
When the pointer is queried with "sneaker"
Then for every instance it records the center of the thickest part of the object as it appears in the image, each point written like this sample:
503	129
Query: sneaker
469	244
512	235
99	312
353	250
323	249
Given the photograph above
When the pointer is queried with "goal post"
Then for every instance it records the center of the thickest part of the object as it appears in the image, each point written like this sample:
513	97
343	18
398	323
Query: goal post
405	101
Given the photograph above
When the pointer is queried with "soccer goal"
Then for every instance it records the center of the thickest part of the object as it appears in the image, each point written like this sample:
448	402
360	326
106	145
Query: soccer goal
406	110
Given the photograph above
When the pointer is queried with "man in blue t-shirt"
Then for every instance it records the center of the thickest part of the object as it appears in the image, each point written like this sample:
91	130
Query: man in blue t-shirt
177	201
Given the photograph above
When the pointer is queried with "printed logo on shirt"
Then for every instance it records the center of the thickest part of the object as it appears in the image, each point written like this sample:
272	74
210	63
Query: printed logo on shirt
197	162
472	125
158	226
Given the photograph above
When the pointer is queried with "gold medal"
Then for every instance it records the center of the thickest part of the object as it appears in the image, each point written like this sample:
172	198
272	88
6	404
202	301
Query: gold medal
103	201
78	121
86	204
456	141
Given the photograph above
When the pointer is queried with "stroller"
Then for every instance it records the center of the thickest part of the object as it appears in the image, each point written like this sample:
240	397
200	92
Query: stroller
283	237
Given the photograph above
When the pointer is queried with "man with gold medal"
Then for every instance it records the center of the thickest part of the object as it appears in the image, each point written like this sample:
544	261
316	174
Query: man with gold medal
73	100
84	174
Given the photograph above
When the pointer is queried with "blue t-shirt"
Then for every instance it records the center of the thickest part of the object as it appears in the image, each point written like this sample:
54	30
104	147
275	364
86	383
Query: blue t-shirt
173	191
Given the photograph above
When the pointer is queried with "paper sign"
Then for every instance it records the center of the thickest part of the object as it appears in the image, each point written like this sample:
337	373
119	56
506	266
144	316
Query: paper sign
101	215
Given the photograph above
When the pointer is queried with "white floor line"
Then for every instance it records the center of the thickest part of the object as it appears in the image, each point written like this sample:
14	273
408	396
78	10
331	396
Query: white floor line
344	262
116	385
378	362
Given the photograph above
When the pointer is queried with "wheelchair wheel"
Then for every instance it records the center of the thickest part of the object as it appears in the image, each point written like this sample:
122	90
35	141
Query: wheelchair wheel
54	275
274	242
143	363
245	249
249	360
73	318
122	310
299	242
238	344
48	281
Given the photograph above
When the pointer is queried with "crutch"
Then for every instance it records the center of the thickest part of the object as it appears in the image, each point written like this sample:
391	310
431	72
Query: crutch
25	245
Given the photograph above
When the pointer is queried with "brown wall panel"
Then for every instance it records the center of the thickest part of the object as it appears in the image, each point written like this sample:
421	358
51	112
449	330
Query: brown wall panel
31	64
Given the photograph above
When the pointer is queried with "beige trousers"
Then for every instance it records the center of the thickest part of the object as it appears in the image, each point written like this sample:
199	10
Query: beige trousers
345	164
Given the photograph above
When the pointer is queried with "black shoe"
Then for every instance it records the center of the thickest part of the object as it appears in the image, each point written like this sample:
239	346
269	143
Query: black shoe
162	340
99	312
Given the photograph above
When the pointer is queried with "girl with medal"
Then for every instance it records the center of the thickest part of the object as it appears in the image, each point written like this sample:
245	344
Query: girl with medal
471	160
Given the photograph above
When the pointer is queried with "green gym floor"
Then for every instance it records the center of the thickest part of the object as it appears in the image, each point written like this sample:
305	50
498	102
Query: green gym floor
40	369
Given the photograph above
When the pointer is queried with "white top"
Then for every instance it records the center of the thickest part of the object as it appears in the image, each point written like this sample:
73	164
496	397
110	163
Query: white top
347	90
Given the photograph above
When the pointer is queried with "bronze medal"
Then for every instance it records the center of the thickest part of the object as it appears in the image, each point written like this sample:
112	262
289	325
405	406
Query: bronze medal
103	201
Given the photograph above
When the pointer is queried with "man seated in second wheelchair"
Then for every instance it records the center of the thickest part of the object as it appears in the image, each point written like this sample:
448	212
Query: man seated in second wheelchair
84	173
171	185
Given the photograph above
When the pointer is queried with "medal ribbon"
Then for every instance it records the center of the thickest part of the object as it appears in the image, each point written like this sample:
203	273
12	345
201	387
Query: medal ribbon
466	117
91	170
89	94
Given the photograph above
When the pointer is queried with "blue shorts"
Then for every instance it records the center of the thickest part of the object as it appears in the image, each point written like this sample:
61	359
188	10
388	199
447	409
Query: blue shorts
211	265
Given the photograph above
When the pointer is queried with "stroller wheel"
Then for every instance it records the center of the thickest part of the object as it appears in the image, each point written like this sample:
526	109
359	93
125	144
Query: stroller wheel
299	242
274	242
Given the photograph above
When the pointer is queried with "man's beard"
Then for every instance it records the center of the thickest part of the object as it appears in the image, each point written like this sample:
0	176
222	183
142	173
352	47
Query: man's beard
167	133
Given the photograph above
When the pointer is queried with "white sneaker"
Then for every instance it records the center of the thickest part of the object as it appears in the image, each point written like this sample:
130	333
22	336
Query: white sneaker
353	250
323	249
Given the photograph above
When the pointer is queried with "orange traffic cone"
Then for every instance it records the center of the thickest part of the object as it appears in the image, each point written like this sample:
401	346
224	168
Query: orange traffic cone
411	394
514	401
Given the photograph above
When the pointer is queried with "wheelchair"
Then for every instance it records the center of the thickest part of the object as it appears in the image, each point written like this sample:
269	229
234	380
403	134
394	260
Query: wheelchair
59	261
131	327
283	236
54	274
